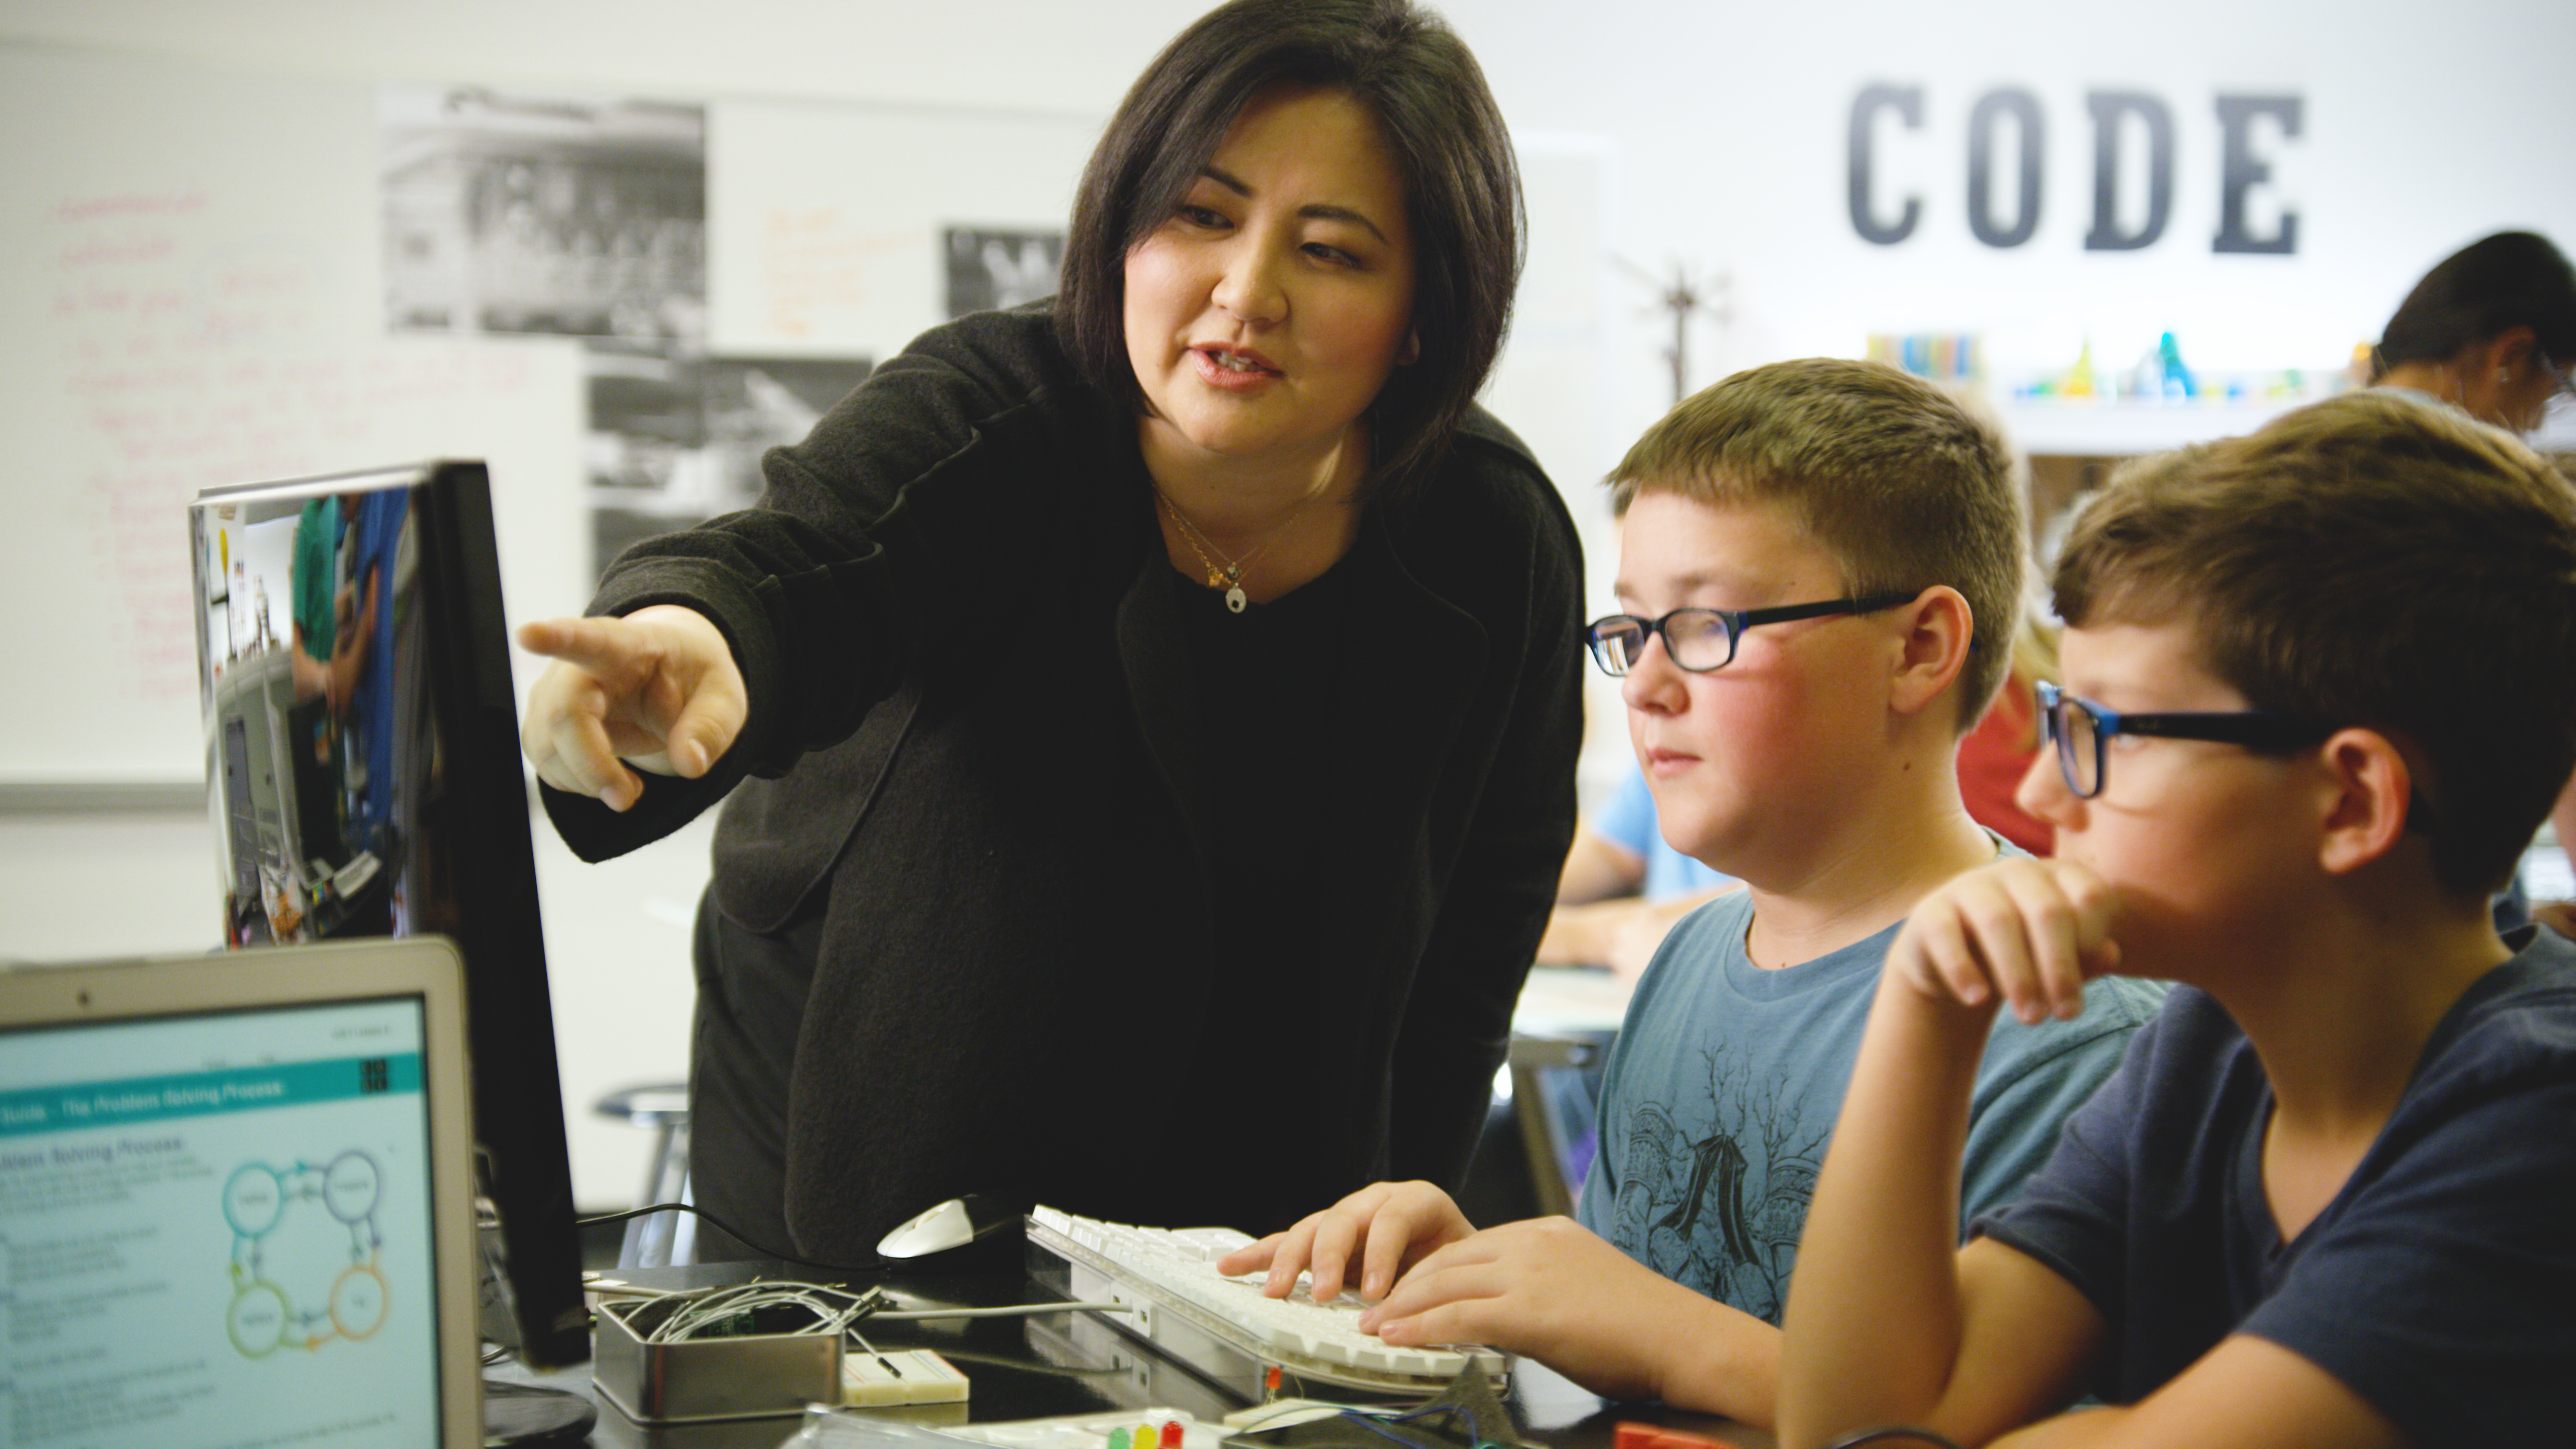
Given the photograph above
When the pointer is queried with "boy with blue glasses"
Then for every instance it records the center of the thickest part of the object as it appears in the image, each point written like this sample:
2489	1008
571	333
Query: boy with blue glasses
1820	567
2318	695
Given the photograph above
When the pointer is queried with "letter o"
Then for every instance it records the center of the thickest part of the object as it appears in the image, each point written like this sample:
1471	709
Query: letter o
2023	107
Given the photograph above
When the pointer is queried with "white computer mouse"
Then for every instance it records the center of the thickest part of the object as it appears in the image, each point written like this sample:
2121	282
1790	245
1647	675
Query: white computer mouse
952	1224
945	1226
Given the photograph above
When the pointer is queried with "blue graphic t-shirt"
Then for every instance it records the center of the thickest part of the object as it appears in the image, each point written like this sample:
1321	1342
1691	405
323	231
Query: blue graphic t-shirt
1718	1098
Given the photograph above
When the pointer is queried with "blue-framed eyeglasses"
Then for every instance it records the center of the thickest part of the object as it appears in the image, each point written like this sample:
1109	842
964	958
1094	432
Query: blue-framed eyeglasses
1700	640
2082	731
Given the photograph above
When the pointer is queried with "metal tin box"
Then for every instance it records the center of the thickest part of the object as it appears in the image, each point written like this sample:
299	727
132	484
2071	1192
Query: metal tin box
738	1376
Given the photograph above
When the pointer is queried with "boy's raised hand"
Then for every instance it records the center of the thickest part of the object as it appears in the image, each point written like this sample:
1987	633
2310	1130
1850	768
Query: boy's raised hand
2027	932
1389	1226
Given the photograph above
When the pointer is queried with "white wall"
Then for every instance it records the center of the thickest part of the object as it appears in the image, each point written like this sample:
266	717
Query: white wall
1722	132
2424	128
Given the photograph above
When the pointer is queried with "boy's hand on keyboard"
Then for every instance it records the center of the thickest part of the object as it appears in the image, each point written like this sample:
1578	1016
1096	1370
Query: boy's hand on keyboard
1557	1292
1390	1226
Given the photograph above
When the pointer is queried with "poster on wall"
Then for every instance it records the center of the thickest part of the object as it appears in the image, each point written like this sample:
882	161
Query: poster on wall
999	269
674	440
546	214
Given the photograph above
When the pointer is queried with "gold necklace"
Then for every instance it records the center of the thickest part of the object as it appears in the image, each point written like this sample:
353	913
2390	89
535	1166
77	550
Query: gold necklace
1229	575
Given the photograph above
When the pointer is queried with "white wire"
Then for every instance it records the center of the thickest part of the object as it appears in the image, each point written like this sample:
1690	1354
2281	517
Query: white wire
1015	1310
647	1295
714	1305
1320	1408
725	1304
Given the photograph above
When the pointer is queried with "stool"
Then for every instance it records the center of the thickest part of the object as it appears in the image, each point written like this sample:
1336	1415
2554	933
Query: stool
661	1239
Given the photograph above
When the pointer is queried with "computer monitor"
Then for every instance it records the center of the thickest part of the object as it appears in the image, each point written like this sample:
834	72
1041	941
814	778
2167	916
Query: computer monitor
362	764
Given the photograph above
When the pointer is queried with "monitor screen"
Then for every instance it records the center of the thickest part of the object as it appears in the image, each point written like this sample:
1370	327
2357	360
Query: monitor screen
364	780
218	1228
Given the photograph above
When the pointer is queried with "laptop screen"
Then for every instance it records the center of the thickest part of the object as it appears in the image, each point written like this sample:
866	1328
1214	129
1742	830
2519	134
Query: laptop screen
216	1228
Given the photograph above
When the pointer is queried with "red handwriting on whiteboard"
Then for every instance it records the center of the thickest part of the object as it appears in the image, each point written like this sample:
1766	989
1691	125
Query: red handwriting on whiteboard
193	347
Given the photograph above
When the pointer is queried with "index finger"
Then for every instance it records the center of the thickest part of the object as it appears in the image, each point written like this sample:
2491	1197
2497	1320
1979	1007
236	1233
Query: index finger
591	644
1251	1257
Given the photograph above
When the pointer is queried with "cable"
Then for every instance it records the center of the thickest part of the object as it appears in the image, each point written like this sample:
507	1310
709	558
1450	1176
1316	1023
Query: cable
891	1315
1016	1310
746	1239
1060	1370
735	1299
613	1288
738	1302
1317	1408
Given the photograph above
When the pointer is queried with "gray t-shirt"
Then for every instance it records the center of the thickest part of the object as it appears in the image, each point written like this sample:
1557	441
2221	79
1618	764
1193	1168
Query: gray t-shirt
1726	1080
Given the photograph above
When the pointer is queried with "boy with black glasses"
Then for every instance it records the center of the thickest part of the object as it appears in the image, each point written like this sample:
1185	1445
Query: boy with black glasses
2317	698
1820	567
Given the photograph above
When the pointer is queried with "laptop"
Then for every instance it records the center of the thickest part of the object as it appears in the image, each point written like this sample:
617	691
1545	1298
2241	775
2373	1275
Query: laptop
236	1204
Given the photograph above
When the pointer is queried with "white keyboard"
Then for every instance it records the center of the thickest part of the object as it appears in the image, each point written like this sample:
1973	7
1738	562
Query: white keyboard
1179	1302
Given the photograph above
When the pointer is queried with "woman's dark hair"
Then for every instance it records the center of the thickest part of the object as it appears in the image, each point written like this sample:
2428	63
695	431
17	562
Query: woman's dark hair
2512	279
1462	188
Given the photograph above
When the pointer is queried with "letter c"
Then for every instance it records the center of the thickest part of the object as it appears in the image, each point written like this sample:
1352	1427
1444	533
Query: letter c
1907	101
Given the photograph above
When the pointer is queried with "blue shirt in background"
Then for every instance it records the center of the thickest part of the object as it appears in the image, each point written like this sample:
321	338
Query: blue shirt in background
1628	822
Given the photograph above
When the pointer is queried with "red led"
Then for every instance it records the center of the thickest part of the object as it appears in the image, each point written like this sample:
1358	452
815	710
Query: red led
1632	1435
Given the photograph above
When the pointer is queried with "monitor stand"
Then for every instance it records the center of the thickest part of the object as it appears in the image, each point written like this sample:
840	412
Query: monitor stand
528	1415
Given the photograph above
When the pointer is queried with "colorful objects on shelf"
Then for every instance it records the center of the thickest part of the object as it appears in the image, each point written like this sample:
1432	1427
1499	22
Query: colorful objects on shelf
2177	377
1941	356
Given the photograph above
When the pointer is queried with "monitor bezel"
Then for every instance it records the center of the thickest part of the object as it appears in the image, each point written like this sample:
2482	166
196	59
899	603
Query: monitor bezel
517	1081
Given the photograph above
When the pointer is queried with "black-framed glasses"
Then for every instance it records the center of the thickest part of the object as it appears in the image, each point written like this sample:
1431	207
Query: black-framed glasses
2082	731
1700	640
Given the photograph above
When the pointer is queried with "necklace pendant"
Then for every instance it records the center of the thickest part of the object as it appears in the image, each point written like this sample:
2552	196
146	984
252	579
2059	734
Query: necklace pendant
1234	599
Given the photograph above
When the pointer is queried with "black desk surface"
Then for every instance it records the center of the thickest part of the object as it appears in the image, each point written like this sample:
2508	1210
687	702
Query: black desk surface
1054	1364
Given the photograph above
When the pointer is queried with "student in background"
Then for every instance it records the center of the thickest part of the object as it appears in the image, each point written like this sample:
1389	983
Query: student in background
2491	330
1820	562
1997	753
2317	699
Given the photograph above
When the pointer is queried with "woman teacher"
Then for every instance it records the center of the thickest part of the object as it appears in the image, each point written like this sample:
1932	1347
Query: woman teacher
1154	711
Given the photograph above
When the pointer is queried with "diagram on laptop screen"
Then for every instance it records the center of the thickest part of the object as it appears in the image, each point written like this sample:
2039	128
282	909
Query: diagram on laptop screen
215	1232
312	1225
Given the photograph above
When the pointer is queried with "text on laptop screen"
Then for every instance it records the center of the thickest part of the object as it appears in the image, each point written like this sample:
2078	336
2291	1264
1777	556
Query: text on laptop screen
215	1230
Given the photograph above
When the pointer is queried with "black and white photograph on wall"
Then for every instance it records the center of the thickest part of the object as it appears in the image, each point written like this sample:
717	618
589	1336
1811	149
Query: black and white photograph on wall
551	214
674	440
992	269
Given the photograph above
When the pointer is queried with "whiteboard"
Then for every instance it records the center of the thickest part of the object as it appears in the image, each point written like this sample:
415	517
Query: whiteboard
191	297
